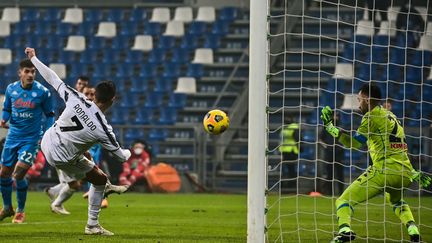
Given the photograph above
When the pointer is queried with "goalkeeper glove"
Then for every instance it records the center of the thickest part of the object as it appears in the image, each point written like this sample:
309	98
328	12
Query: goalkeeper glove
327	118
422	179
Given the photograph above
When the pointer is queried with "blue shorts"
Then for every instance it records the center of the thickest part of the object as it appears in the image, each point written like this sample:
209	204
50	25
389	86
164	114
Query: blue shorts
24	151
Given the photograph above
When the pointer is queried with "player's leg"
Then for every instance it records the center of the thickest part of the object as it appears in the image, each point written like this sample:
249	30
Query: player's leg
70	185
366	186
8	159
394	194
52	192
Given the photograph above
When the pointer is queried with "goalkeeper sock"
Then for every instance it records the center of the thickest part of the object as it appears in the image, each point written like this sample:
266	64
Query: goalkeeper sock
403	211
21	194
343	212
95	200
65	193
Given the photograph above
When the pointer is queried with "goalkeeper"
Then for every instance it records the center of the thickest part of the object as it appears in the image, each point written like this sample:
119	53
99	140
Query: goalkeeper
391	170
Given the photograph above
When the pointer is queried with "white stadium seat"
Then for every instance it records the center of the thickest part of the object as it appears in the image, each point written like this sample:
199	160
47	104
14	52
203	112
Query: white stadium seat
186	85
75	43
11	15
73	16
59	69
183	14
5	56
206	14
107	30
203	56
344	71
174	28
4	28
160	15
143	43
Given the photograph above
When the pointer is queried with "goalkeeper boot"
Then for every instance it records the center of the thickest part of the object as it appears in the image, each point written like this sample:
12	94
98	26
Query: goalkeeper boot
110	189
344	235
97	230
19	218
4	213
413	232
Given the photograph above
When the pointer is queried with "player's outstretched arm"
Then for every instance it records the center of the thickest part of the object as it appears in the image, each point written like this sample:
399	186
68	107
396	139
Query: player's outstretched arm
49	75
345	139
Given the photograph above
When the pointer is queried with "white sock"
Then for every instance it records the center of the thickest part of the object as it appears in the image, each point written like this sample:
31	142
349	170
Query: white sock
55	190
94	201
65	193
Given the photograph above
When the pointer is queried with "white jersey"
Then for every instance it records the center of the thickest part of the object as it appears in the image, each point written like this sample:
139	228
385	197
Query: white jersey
81	125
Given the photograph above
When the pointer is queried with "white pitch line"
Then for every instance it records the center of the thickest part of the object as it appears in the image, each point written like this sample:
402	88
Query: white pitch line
42	223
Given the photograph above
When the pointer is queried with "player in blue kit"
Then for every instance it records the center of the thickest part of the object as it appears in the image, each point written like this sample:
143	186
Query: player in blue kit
26	102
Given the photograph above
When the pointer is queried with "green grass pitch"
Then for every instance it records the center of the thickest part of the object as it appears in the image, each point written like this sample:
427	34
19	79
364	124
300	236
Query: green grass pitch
202	218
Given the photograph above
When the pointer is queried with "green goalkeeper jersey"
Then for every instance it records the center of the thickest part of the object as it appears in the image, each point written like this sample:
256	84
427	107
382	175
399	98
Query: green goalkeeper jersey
386	141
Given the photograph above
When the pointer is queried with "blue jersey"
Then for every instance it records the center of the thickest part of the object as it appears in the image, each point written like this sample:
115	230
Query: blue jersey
25	110
96	153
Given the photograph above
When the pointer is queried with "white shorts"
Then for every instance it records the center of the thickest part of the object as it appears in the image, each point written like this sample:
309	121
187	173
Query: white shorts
73	170
65	178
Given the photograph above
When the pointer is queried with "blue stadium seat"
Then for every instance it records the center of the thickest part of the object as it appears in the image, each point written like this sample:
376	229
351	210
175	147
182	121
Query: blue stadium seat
21	28
153	29
128	28
177	100
63	29
171	70
156	56
139	85
30	14
157	134
115	15
96	43
228	13
138	15
195	70
398	55
153	100
129	100
124	71
427	93
52	14
118	115
110	56
180	56
212	41
197	28
163	85
381	40
86	29
78	69
101	71
134	57
189	42
67	57
44	28
132	134
93	15
166	42
148	71
167	116
220	27
88	57
309	136
143	117
10	42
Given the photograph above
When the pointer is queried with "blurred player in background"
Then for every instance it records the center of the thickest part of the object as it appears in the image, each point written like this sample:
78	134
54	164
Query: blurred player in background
81	125
81	83
391	170
26	102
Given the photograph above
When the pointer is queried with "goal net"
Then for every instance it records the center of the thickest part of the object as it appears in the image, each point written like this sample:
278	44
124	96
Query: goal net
319	54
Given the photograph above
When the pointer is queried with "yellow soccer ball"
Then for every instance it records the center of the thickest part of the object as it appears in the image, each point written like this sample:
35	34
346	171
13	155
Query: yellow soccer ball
216	122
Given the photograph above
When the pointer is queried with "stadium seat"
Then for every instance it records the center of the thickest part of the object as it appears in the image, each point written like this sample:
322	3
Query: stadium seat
93	15
132	134
59	69
180	56
196	28
129	100
134	57
143	43
106	30
96	43
31	15
139	85
115	15
167	116
163	85
174	28
189	42
73	16
4	28
183	14
143	117
156	56
166	42
88	57
160	15
63	29
212	41
120	43
365	28
75	43
171	70
147	71
153	29
228	13
220	27
153	100
195	70
128	28
186	85
78	69
86	29
43	29
157	135
5	56
124	71
11	15
177	100
387	29
52	15
206	14
101	71
138	15
203	56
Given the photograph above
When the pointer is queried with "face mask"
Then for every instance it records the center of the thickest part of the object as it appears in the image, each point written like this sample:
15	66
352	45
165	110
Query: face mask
138	151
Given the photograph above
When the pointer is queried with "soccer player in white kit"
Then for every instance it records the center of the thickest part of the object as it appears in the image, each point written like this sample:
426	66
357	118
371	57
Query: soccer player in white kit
79	127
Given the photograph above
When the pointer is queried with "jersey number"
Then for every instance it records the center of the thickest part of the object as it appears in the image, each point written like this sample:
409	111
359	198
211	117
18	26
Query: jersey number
392	137
77	127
